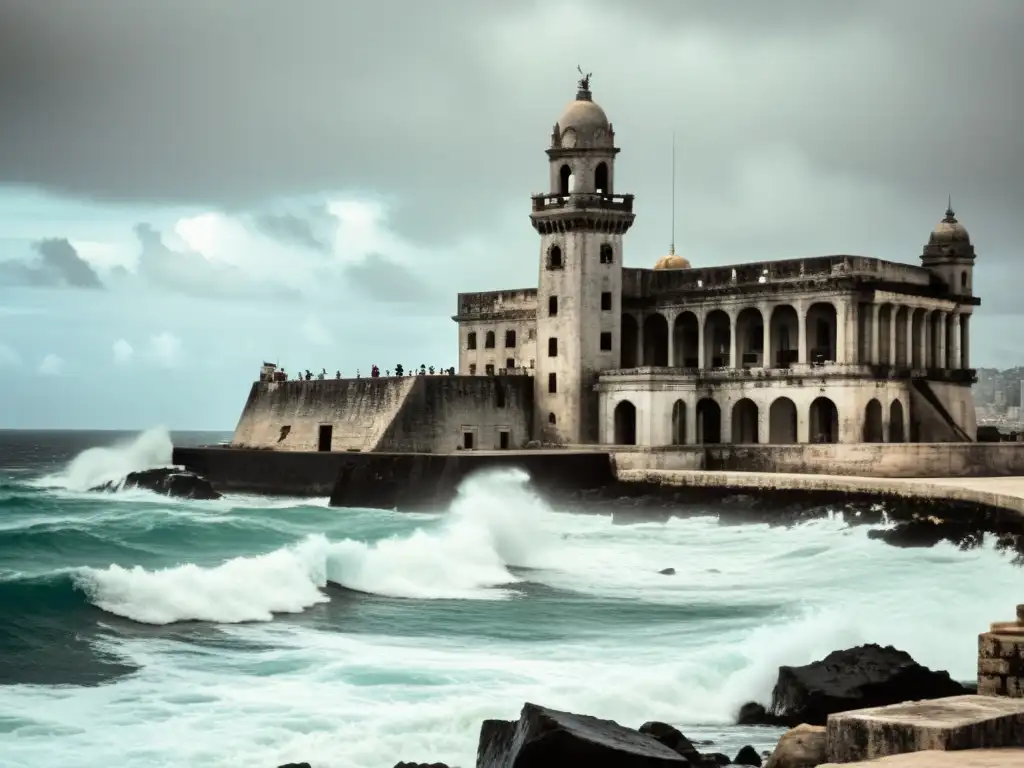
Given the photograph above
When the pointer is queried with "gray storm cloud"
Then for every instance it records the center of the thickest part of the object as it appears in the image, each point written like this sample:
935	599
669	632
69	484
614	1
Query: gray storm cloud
877	109
55	263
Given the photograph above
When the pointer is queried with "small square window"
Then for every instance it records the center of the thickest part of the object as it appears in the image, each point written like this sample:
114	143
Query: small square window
606	301
606	341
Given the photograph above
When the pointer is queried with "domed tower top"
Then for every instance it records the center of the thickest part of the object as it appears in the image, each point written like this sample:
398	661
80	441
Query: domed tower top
583	124
949	254
672	261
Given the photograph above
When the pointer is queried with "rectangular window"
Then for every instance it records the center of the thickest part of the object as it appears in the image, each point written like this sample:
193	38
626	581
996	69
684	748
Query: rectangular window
510	363
553	347
489	340
606	301
471	341
467	441
503	440
552	306
606	341
607	254
489	369
552	383
510	339
472	369
532	334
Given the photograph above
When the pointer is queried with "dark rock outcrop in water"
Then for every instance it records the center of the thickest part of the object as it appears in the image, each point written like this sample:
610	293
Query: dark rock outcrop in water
169	481
547	738
856	678
421	765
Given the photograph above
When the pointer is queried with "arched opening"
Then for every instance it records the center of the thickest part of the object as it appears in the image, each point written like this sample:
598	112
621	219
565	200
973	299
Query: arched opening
489	340
784	335
744	422
510	339
679	423
686	340
606	254
554	257
963	279
900	321
628	346
782	422
601	179
917	343
625	423
873	430
709	422
824	421
565	180
821	333
717	340
750	338
656	340
551	418
896	431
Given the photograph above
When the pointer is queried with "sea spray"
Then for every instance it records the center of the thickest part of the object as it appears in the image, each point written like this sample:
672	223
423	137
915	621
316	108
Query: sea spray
96	466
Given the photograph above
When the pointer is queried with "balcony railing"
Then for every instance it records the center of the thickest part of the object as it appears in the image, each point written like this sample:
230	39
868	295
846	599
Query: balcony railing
583	200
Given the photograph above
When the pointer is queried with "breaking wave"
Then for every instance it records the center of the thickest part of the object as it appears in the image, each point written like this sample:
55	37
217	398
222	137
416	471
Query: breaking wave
111	464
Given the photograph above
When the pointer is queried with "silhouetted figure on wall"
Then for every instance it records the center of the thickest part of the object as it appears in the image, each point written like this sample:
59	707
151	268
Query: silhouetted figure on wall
399	370
374	372
308	375
423	370
337	374
451	371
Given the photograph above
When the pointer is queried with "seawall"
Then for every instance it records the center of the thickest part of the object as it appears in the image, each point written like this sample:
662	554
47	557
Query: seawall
387	480
884	460
430	414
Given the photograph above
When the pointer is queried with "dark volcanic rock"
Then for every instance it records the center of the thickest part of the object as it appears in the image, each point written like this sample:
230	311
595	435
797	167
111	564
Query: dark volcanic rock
672	738
295	765
747	756
667	571
169	481
547	738
421	765
753	713
857	678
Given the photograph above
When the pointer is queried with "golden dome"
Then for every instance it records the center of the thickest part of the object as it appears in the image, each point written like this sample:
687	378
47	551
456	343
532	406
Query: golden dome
672	261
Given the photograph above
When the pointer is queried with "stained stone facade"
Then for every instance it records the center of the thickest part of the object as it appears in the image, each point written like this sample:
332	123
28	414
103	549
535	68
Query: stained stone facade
1001	658
837	348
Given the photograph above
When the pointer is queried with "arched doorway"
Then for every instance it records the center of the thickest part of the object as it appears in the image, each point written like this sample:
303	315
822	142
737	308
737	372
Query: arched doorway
873	430
709	422
655	340
896	431
625	423
821	333
750	339
784	335
782	422
601	179
824	418
717	340
744	422
679	423
565	180
628	342
686	341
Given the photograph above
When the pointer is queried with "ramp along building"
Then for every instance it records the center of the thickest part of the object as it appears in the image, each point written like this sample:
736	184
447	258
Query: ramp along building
827	349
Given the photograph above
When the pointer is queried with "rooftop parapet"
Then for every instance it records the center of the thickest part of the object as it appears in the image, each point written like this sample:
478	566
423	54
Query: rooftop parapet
522	301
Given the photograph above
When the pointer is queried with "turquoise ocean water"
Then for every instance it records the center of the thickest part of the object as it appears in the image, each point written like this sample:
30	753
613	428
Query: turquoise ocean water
140	631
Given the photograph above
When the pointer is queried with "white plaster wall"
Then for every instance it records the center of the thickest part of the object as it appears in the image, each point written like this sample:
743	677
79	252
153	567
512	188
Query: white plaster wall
523	353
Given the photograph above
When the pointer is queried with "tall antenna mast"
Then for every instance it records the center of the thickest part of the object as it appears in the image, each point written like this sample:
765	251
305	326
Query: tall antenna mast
672	245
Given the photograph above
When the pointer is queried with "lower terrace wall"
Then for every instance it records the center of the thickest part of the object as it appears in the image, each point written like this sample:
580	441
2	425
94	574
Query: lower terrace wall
386	480
430	414
858	459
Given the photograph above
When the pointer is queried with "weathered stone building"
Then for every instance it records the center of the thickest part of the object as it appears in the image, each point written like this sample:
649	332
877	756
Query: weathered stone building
826	349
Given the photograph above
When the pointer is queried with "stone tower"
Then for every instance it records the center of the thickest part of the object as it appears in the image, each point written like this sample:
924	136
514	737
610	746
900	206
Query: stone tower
581	222
950	255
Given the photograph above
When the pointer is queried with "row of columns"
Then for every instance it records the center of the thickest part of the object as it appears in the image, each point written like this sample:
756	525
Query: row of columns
930	338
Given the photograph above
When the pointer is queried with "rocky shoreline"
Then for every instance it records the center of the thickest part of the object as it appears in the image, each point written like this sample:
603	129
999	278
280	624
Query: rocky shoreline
803	698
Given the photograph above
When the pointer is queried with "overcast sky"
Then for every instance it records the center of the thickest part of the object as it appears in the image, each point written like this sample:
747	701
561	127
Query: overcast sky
189	187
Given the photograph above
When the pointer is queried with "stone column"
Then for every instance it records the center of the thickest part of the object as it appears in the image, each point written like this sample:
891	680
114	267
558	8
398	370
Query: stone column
690	430
766	353
842	325
801	332
733	357
671	321
876	344
701	319
955	356
965	341
922	342
853	331
892	335
910	337
940	342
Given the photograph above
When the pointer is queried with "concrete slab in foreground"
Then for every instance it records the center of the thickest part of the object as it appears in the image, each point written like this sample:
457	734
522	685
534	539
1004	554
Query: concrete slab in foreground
953	723
970	758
